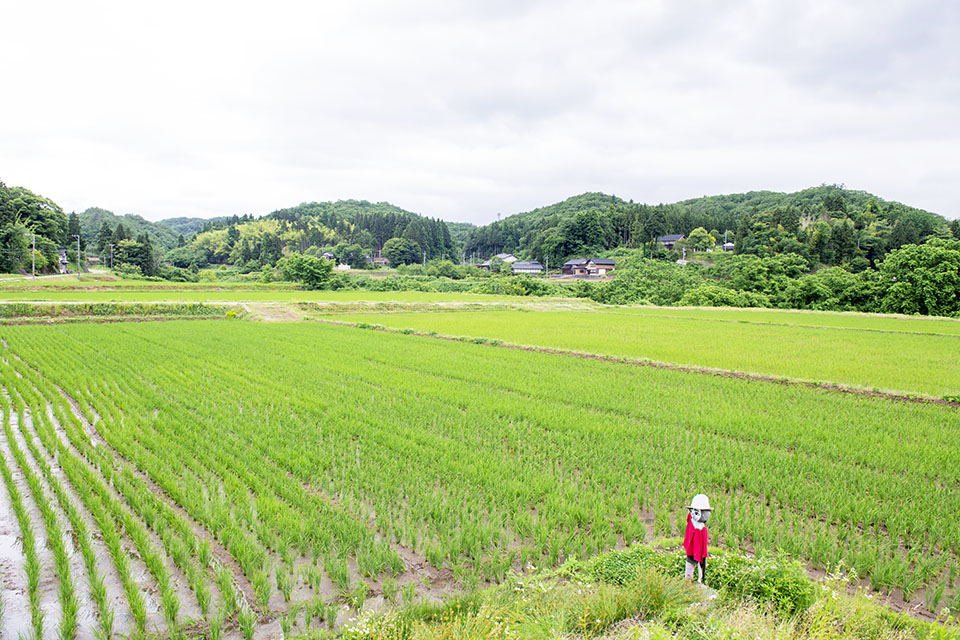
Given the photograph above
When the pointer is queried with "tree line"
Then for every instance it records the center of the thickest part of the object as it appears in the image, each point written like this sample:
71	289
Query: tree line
826	225
27	220
354	231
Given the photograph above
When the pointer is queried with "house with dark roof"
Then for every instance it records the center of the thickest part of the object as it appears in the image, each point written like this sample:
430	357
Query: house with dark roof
531	266
669	240
584	267
328	255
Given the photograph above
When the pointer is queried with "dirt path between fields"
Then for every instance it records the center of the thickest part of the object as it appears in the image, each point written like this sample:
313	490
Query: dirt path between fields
272	312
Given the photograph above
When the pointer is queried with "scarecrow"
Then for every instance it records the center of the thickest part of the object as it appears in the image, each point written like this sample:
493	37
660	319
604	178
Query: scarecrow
695	539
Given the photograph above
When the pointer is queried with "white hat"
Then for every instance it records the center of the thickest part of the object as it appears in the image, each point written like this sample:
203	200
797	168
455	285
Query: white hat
701	502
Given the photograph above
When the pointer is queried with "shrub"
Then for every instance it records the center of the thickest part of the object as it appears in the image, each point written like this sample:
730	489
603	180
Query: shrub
780	581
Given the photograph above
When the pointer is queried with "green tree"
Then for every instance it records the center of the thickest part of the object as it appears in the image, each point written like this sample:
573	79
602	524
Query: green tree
401	251
128	252
148	265
821	248
104	238
844	241
351	254
73	229
312	272
700	240
119	234
922	279
904	232
15	251
415	233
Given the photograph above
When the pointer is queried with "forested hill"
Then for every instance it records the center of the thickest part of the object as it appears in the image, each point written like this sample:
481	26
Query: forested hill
163	235
189	226
352	229
827	224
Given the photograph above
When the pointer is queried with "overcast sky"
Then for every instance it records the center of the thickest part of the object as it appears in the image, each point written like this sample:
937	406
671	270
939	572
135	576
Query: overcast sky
461	110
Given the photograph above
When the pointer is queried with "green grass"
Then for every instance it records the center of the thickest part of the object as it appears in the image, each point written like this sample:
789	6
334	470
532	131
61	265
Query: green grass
850	320
577	602
832	348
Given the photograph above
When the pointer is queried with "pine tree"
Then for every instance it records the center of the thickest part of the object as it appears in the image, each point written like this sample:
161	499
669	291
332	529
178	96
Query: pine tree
105	237
73	229
147	266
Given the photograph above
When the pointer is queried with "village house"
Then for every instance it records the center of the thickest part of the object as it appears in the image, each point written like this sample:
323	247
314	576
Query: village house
585	267
531	266
328	255
669	240
509	258
728	246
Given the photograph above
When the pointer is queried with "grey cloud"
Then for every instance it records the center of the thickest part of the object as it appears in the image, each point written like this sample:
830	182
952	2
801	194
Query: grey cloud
464	109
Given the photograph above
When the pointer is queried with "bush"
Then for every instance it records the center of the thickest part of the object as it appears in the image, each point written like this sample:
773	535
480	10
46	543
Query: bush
176	274
712	295
128	271
780	582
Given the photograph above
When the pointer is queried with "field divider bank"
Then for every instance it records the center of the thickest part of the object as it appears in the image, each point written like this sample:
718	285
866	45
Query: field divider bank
658	364
55	312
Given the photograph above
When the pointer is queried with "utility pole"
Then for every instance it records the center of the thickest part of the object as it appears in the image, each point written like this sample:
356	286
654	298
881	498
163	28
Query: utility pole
424	258
111	255
546	272
78	254
33	258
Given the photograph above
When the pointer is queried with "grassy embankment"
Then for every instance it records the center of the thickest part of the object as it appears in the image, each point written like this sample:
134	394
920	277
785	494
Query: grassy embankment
638	594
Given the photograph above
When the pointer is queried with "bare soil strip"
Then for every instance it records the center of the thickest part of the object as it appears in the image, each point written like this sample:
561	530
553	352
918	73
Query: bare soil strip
656	364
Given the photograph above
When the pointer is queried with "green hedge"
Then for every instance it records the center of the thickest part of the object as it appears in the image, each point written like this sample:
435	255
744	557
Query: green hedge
61	310
780	582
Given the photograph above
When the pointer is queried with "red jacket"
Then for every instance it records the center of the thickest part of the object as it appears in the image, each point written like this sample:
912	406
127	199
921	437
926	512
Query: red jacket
695	541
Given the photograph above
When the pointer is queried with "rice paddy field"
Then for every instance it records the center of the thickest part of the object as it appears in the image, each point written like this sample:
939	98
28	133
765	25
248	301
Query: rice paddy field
233	478
889	353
